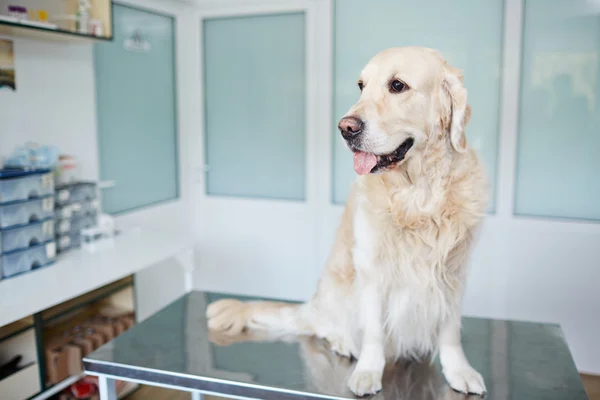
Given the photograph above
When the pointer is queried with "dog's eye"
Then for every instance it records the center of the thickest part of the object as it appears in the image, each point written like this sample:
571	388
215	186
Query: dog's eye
360	85
397	86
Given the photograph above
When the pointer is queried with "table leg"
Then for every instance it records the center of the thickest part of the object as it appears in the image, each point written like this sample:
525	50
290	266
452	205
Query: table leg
186	260
197	396
107	387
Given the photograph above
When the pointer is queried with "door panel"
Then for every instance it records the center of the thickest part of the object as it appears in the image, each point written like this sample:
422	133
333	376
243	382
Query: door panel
255	120
256	82
558	152
137	128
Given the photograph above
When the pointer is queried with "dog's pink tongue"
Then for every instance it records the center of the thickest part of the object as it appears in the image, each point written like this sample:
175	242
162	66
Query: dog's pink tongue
364	162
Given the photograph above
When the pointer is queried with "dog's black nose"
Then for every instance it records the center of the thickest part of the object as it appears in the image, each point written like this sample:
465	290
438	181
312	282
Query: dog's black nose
350	127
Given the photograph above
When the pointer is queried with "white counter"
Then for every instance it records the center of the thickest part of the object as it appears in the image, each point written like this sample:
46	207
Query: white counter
82	270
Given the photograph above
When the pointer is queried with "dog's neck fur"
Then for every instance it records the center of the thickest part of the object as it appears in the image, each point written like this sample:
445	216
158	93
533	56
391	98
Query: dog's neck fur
418	189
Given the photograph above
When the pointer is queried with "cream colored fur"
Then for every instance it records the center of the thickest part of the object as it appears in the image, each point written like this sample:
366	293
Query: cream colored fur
393	284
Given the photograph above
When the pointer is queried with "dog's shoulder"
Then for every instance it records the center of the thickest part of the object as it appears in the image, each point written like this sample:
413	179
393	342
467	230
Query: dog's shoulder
468	190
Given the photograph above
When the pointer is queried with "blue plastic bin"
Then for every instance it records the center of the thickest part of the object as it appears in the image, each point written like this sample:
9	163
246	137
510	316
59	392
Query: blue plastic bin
22	237
74	225
67	242
76	193
78	209
24	212
20	261
18	185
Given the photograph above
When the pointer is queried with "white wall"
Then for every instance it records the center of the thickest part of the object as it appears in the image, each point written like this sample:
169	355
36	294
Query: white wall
54	102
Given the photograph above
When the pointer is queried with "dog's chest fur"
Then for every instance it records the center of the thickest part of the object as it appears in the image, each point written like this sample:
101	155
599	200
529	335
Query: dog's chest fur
406	240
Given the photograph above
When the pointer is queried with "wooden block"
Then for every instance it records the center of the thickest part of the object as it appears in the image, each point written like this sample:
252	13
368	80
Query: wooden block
86	345
96	338
106	329
128	321
73	356
119	326
56	365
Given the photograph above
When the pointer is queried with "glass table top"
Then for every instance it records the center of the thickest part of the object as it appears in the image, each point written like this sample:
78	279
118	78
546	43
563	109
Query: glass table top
518	360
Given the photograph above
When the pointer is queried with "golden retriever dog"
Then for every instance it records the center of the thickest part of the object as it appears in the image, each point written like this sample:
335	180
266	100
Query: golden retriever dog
393	283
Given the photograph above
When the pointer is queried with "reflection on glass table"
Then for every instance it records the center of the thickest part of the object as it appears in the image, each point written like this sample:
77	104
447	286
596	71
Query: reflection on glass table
174	348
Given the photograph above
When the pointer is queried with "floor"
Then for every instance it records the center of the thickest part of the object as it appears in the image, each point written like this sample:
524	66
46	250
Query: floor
591	383
155	393
592	386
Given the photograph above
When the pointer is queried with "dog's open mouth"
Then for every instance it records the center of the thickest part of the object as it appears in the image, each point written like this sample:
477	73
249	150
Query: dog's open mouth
366	163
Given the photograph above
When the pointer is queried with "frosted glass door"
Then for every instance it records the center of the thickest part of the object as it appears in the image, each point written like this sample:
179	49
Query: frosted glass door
255	83
137	129
467	32
559	133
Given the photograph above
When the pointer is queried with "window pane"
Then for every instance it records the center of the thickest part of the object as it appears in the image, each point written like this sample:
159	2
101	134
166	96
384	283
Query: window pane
255	106
137	129
559	134
467	32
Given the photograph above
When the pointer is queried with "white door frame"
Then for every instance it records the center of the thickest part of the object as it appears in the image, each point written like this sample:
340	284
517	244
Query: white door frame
171	214
318	145
314	75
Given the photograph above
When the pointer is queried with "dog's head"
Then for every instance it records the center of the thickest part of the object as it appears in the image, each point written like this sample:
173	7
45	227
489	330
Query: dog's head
410	96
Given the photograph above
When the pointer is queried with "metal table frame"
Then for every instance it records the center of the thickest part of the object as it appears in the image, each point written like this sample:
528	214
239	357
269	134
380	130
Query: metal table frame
509	353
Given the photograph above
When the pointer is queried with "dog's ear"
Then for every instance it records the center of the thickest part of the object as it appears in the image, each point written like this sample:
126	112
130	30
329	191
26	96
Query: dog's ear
459	112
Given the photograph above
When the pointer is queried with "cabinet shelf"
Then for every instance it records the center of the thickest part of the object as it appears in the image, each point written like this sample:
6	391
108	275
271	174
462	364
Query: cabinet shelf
15	328
111	260
40	31
57	20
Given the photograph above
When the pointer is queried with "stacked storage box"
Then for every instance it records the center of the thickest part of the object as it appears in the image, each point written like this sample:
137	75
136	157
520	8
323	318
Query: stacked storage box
26	221
77	207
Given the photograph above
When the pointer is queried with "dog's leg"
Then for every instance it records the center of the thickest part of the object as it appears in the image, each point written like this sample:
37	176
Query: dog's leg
366	378
455	366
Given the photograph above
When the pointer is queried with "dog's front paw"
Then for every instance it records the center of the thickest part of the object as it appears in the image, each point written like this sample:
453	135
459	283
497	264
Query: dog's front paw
465	380
365	382
228	316
343	346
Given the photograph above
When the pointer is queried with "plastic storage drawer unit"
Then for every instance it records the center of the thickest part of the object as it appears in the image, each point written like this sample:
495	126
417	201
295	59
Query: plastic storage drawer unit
20	261
76	192
21	237
78	209
74	225
24	212
18	185
67	242
77	224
